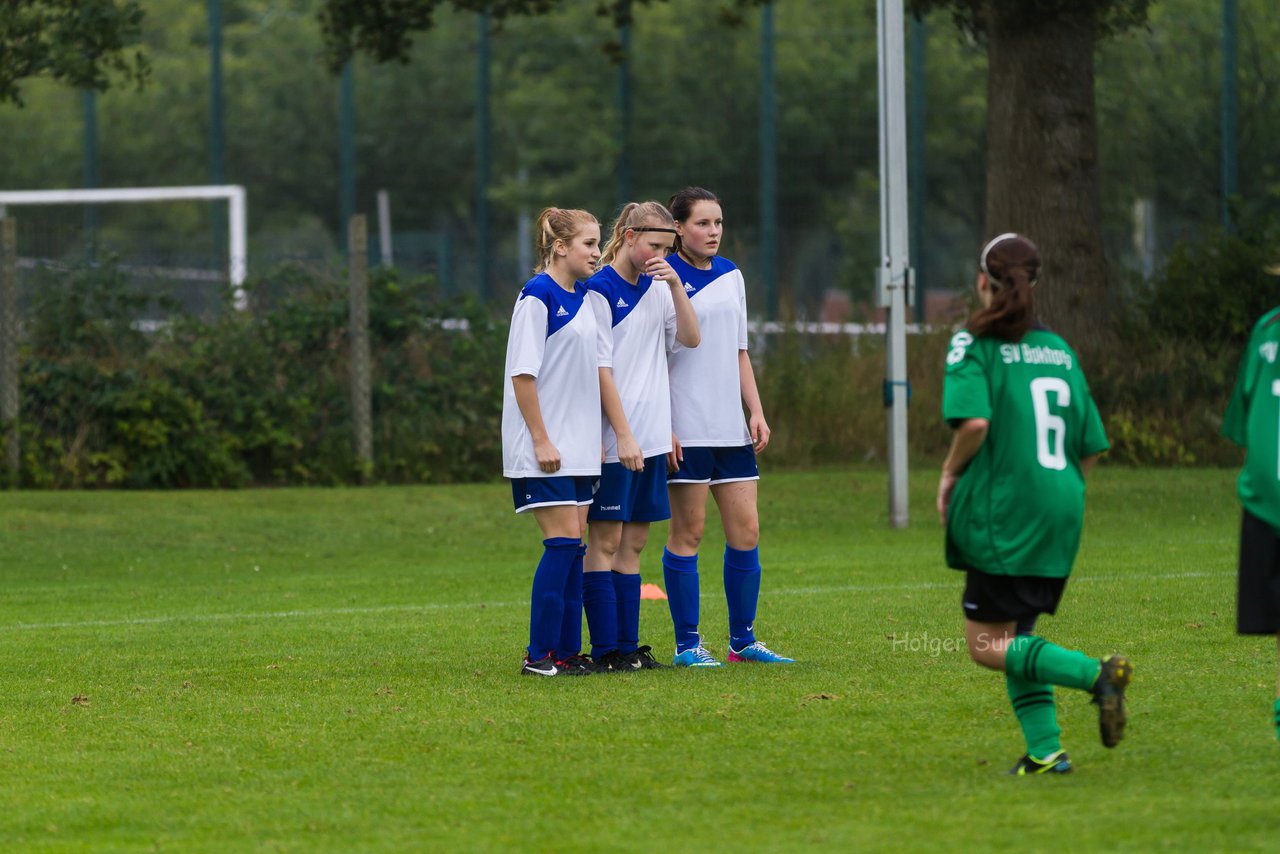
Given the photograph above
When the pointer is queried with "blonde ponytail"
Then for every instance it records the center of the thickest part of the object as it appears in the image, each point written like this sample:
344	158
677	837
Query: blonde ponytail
636	216
558	224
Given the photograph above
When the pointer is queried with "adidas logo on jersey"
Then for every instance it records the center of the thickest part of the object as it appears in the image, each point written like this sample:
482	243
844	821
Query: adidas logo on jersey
688	287
622	303
561	312
1269	350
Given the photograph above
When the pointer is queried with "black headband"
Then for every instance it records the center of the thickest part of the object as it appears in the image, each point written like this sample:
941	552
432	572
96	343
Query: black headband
652	228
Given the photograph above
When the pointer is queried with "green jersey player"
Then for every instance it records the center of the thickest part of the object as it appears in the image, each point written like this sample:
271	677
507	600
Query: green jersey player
1012	499
1253	421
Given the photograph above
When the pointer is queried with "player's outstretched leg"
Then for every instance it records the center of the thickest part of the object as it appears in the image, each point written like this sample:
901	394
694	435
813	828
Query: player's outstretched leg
1037	660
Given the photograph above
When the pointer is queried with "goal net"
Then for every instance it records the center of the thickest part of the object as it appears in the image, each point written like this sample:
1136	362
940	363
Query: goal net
188	244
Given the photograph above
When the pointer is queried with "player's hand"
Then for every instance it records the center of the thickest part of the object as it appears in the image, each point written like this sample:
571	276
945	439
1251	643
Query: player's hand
675	457
629	453
946	487
759	430
657	267
547	455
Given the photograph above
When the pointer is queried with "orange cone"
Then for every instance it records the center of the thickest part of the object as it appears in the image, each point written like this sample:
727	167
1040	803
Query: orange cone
652	591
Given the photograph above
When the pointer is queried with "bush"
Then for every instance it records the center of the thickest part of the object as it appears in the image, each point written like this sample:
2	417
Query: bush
1164	383
256	397
824	397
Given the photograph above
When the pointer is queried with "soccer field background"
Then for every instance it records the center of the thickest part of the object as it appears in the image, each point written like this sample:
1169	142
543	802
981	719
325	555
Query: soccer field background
337	670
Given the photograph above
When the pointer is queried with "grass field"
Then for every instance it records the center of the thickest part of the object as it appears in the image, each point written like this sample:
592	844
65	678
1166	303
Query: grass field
337	670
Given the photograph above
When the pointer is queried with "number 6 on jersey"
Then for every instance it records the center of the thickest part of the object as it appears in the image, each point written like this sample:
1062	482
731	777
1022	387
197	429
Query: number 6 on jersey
1051	430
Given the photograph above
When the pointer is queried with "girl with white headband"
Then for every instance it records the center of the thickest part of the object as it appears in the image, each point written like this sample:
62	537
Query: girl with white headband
1012	499
643	313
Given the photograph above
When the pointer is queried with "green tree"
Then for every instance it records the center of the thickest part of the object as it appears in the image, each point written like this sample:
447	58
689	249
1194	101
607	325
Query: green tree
1042	146
82	43
383	29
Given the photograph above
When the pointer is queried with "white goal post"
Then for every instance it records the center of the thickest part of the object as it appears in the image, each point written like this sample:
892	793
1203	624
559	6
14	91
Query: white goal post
237	214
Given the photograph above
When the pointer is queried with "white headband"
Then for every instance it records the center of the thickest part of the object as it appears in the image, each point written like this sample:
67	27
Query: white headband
982	261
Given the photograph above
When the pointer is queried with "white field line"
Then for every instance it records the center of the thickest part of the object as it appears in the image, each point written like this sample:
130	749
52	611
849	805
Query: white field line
440	606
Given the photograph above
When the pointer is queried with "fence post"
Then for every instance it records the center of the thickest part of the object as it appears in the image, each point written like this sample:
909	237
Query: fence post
9	342
361	399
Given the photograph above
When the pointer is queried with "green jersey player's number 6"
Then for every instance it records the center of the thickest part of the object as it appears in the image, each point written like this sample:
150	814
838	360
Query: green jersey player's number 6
1051	430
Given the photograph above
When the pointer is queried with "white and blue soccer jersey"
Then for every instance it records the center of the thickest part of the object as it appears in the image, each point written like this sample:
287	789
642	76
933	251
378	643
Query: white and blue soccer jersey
554	339
706	391
637	326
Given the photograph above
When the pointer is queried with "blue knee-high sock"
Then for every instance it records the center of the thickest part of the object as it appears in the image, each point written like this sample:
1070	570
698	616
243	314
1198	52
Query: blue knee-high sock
571	623
681	576
627	591
742	592
602	612
547	610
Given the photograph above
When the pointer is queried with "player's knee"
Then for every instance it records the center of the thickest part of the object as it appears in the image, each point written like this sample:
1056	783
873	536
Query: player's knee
746	534
635	544
607	543
984	656
686	537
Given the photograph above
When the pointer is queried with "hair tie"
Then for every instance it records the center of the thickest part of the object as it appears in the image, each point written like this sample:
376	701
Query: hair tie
986	250
652	228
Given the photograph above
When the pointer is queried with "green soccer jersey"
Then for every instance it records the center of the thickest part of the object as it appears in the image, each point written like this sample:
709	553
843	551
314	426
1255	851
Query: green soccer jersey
1253	421
1019	506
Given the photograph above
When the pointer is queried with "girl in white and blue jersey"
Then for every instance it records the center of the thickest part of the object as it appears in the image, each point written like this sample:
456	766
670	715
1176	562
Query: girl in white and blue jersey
642	311
714	446
551	428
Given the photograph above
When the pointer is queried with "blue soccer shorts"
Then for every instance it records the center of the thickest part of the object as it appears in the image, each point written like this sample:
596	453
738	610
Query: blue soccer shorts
632	496
529	493
716	465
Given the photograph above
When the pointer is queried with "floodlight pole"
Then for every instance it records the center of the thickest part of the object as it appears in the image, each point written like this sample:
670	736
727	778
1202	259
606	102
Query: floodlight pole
893	276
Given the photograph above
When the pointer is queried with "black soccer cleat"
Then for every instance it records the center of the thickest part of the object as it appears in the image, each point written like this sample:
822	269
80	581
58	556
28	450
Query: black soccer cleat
612	662
1054	763
544	666
1108	694
575	665
642	659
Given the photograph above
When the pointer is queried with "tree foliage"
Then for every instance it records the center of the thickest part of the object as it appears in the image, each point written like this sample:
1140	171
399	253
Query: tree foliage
383	29
82	43
555	121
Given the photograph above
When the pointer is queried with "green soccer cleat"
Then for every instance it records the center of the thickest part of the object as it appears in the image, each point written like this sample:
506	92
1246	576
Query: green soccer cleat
1108	694
1054	763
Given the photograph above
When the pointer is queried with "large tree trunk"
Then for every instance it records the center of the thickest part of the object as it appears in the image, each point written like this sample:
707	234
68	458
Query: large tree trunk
1042	156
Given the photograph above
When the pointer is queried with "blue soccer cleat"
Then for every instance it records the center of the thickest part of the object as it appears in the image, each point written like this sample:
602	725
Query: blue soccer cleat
758	653
695	657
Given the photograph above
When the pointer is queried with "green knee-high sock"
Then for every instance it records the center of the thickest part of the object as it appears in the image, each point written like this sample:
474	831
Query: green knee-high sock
1034	659
1033	704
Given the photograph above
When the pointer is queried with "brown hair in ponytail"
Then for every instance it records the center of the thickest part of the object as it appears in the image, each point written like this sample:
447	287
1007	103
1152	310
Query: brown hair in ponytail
1012	264
681	205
